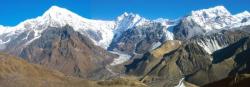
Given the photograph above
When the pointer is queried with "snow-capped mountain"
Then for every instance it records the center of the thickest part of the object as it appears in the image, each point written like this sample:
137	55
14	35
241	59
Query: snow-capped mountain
129	32
62	40
212	18
243	19
127	21
206	22
132	30
202	21
216	18
242	15
100	32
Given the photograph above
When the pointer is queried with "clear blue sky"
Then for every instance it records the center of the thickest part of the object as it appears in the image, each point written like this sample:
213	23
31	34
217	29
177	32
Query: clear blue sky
14	11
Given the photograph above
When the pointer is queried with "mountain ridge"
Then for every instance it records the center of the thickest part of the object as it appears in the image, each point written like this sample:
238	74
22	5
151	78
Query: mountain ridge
128	28
57	16
158	52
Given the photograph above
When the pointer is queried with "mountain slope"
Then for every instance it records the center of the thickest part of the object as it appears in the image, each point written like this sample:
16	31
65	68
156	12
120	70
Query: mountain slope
241	80
15	72
193	62
65	50
153	66
140	39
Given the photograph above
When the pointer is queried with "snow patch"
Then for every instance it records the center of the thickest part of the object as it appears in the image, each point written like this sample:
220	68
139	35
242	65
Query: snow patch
121	59
155	45
181	83
209	45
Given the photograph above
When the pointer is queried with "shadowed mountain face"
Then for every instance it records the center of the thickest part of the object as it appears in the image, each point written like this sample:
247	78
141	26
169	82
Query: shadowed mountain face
239	76
232	81
154	67
219	64
65	50
192	61
186	30
140	39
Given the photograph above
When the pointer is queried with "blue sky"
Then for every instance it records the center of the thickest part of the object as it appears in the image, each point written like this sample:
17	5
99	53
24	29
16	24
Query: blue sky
14	11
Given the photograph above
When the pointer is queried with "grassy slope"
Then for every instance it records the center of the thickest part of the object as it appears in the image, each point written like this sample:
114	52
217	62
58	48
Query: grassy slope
15	72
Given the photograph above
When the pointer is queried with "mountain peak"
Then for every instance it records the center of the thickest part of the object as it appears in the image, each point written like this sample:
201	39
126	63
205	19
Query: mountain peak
58	12
220	7
129	20
243	14
57	16
212	18
246	12
212	12
127	15
55	9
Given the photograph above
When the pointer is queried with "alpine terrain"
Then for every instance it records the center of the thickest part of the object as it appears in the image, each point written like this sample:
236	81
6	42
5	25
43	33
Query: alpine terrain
208	47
